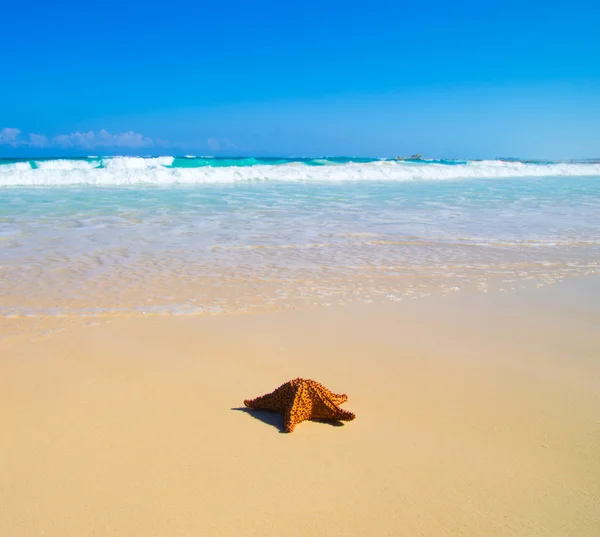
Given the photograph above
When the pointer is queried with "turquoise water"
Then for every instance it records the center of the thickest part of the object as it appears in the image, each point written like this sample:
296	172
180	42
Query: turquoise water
115	171
220	162
106	247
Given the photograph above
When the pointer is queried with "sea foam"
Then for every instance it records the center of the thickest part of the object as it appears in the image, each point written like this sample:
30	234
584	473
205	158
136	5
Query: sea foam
164	171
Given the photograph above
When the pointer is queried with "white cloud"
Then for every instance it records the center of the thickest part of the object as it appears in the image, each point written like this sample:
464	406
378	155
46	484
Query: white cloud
100	139
9	136
103	138
83	140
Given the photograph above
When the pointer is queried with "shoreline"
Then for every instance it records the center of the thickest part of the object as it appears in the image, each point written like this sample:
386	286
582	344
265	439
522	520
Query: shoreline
52	314
477	414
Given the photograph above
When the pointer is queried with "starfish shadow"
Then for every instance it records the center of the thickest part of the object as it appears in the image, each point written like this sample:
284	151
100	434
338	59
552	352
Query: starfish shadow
275	419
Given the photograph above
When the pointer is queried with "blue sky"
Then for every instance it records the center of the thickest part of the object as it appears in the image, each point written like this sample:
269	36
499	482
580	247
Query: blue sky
464	79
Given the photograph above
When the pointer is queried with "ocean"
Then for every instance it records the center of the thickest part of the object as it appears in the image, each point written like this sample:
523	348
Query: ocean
199	235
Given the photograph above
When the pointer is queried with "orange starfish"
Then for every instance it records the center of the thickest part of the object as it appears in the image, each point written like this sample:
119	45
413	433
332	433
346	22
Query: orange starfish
302	399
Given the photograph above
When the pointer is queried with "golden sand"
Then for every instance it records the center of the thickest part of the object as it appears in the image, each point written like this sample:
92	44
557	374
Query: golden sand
477	415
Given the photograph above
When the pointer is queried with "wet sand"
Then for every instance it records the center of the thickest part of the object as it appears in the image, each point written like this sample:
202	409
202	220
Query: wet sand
477	415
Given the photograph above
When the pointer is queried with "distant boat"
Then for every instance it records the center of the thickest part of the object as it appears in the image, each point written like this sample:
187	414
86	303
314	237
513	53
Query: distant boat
414	157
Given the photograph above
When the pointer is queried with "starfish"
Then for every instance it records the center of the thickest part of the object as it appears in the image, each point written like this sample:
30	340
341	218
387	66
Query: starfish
302	399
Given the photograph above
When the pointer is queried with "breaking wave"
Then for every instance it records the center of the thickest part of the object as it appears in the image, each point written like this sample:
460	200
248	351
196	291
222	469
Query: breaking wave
112	171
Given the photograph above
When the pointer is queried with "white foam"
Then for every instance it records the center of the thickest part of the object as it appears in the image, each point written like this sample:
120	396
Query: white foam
14	167
65	165
137	163
137	170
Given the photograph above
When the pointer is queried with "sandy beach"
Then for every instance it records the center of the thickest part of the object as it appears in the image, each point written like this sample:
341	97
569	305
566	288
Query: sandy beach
477	415
381	222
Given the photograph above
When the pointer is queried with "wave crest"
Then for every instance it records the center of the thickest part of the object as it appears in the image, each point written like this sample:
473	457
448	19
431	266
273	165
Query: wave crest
115	171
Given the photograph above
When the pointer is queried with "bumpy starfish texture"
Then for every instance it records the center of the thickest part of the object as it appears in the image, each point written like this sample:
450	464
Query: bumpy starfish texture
302	399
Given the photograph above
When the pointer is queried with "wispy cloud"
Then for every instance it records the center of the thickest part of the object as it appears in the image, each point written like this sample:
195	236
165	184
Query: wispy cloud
9	136
102	139
82	140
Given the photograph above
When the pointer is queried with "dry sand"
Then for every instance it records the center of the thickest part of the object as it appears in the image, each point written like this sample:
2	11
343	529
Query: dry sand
477	415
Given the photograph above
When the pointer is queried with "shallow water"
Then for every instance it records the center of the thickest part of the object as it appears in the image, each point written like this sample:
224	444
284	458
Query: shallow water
213	247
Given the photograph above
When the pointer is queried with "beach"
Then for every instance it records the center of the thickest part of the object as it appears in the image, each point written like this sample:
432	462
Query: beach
271	270
143	300
477	414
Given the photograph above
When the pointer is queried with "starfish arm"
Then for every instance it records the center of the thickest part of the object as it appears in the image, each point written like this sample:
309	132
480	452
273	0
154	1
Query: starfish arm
300	408
337	398
270	401
290	421
342	415
325	407
324	411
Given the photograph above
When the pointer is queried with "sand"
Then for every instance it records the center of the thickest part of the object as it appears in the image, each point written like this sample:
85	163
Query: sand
477	415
